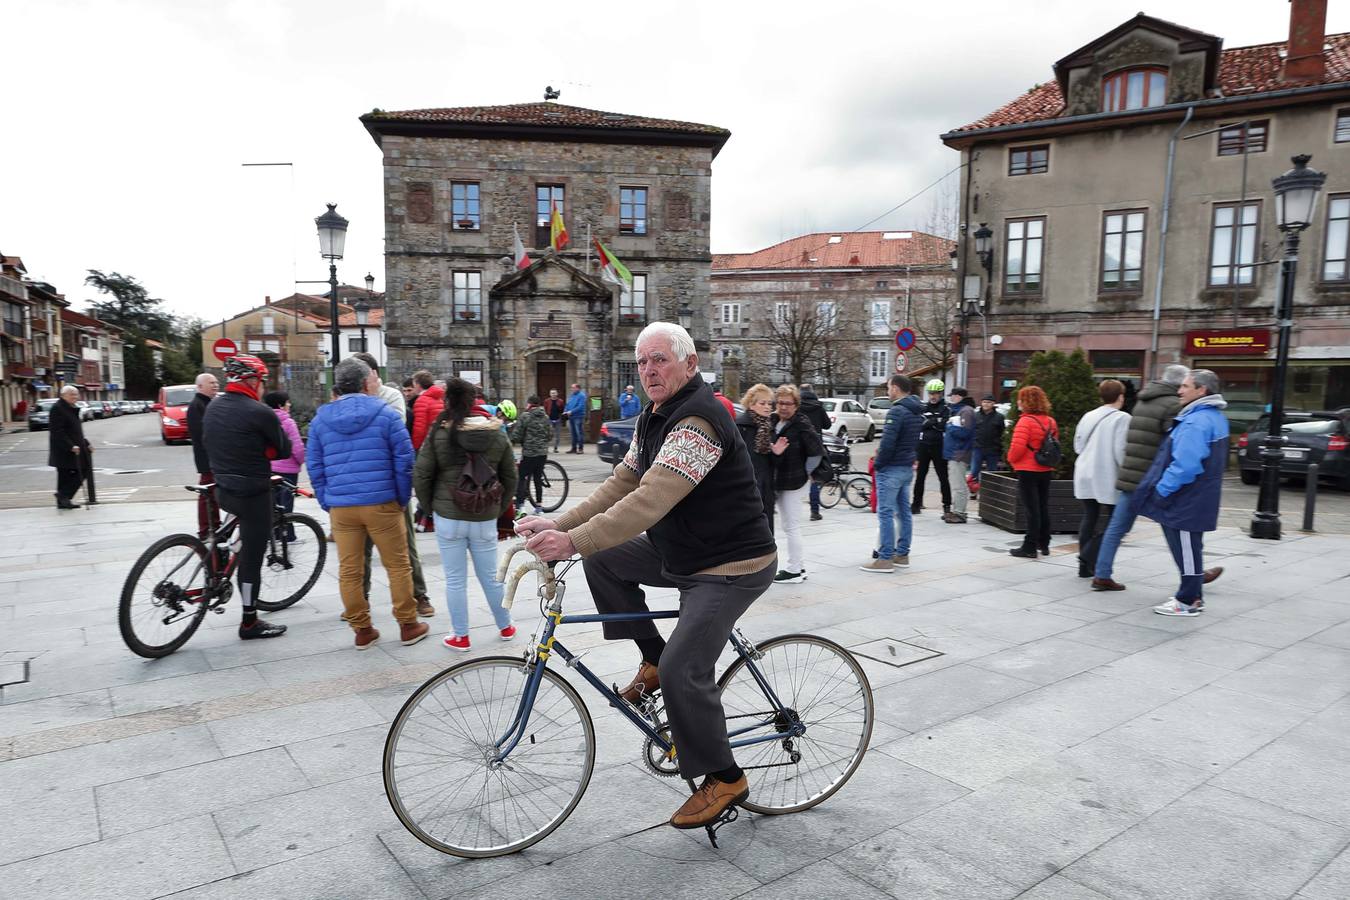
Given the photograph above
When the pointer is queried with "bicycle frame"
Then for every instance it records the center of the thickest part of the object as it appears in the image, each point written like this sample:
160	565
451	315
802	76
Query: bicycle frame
548	644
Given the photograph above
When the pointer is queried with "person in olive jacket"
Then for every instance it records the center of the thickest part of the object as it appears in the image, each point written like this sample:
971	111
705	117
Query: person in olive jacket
465	427
798	450
66	446
532	432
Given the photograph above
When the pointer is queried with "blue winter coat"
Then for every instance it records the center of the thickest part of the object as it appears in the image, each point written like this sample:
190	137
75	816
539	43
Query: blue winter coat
959	435
359	453
629	405
576	405
1182	488
900	434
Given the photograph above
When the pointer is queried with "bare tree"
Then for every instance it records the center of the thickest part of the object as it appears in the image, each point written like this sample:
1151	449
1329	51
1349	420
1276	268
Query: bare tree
936	307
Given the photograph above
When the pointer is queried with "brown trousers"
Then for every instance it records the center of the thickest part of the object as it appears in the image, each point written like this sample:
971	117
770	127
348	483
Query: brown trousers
383	524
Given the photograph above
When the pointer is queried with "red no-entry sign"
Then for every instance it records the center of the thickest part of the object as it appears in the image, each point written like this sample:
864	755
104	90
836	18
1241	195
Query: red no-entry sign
224	348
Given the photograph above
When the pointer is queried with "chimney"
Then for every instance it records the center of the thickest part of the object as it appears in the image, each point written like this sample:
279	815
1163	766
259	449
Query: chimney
267	300
1304	60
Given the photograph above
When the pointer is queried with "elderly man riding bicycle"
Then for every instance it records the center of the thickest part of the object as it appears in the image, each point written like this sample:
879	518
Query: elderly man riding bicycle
681	510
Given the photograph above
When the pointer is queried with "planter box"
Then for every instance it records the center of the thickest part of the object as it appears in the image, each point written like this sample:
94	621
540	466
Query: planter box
999	505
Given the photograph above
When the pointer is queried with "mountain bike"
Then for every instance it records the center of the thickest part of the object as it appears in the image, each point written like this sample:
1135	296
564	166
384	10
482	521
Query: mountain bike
550	490
491	755
180	577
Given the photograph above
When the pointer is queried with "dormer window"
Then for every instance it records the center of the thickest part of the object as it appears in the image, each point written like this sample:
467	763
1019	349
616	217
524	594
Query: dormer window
1134	89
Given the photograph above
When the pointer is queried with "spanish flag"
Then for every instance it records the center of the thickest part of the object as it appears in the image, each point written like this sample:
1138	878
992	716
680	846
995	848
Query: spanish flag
557	230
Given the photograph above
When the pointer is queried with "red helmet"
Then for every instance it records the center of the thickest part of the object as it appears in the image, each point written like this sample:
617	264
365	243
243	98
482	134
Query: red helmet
242	365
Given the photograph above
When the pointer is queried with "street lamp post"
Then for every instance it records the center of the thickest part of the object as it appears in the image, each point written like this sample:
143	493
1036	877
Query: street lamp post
362	308
1295	199
332	241
971	295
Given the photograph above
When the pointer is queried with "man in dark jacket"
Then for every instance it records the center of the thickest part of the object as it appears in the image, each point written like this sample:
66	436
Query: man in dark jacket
935	414
66	447
553	408
894	473
1154	409
820	419
957	444
989	425
242	437
1182	489
680	511
532	432
208	516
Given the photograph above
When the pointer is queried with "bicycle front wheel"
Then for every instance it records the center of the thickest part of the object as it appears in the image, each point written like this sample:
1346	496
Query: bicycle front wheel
165	596
858	492
551	490
294	557
438	769
818	683
830	492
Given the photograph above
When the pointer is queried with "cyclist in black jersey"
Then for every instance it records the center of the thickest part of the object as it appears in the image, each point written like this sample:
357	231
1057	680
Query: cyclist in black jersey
242	437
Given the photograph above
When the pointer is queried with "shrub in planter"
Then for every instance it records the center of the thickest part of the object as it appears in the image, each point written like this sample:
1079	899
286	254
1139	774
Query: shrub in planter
1068	381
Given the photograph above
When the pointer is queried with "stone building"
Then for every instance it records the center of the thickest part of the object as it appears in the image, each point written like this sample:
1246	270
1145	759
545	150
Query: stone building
825	308
460	183
1130	211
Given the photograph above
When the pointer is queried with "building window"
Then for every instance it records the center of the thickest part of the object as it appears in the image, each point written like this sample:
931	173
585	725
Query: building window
781	313
1334	266
627	374
13	320
1233	244
357	345
1029	160
881	285
633	304
471	370
468	296
731	314
827	284
263	345
1342	126
546	196
632	210
881	317
1024	252
1230	139
464	206
1123	250
1134	89
780	359
827	313
269	325
880	360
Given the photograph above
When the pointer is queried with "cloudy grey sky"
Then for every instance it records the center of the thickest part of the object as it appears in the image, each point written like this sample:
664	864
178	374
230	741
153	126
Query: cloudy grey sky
125	123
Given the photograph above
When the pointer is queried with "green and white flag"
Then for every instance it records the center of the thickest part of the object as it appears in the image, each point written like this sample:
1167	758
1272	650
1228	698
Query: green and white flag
612	270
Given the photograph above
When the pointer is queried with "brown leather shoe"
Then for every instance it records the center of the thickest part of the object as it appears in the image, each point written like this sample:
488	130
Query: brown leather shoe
1211	574
365	637
424	607
646	681
709	801
412	632
1107	584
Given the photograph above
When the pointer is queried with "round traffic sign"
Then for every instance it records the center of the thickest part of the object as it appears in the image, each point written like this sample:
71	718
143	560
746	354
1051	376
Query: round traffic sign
904	338
224	348
901	363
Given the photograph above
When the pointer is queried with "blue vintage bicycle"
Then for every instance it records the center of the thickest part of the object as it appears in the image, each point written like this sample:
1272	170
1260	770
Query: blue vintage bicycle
491	755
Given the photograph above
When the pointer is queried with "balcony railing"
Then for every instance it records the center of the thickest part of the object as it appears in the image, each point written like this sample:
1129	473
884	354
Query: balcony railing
13	287
13	328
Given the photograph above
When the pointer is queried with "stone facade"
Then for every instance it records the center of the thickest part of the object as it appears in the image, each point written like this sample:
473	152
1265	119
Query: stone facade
522	332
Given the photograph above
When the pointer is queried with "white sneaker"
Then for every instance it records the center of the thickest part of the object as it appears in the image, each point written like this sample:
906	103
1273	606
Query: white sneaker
1174	607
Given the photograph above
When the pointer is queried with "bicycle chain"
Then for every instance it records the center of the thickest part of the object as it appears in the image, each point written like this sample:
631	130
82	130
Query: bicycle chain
664	731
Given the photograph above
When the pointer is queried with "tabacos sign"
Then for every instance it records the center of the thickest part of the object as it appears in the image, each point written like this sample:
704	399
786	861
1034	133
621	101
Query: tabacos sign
1231	342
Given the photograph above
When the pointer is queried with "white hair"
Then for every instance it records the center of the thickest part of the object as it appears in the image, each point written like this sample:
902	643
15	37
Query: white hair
1174	374
1204	378
70	389
681	344
201	379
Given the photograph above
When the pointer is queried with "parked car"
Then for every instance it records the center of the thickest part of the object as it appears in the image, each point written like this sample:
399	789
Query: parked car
172	406
837	450
877	408
39	417
1309	437
848	417
615	436
86	411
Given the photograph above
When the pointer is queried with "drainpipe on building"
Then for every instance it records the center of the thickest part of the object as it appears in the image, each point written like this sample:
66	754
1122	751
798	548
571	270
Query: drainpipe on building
1162	245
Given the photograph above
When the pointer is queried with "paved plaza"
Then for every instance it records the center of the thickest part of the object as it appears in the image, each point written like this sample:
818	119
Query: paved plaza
1064	744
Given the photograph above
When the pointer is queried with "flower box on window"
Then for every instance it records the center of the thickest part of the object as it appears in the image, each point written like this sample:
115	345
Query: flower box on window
627	228
468	315
629	318
465	223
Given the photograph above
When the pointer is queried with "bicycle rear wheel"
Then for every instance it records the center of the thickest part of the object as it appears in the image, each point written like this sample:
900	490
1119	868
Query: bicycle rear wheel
551	490
858	492
824	687
294	557
830	492
165	596
437	770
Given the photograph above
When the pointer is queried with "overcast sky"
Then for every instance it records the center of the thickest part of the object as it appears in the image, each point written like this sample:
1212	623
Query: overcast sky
125	123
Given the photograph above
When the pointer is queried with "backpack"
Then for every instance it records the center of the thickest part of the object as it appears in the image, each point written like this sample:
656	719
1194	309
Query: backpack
478	489
1049	453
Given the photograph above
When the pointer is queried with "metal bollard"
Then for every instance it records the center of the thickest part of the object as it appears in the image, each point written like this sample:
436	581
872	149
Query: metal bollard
1310	498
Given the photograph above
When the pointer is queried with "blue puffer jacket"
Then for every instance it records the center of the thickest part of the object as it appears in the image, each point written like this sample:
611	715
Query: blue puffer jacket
1182	488
959	436
359	453
900	434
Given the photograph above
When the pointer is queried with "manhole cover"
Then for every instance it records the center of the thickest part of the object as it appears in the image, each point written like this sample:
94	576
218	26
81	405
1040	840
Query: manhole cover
893	652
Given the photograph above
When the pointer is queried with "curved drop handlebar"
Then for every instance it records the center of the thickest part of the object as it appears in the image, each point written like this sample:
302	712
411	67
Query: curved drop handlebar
546	581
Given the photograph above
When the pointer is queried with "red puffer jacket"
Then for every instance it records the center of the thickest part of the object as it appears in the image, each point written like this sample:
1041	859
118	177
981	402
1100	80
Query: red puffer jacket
428	405
1028	435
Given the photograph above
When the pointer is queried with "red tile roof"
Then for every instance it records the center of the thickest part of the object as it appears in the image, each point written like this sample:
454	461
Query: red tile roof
376	319
545	115
867	249
1243	71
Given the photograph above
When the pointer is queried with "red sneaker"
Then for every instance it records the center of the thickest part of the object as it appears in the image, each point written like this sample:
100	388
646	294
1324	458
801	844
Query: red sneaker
509	632
457	643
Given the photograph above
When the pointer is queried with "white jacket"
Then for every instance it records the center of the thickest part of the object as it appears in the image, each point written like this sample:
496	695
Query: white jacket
1099	441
